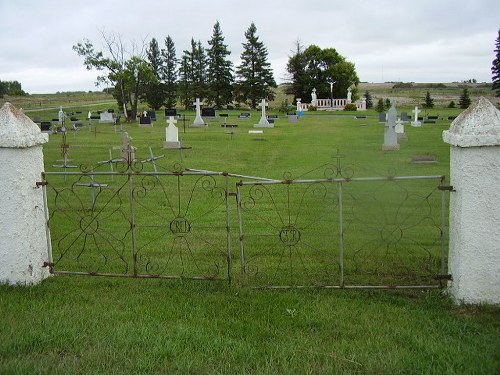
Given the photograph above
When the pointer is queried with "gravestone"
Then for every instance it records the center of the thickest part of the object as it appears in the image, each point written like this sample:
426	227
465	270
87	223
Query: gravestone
382	117
263	123
416	122
404	116
145	121
128	151
37	119
106	117
172	134
244	116
170	112
292	117
152	115
61	117
45	126
208	112
314	98
400	130
390	136
198	121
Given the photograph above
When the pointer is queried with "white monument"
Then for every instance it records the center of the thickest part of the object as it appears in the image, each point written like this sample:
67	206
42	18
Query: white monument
172	134
128	151
400	129
415	122
198	121
61	116
24	237
349	95
263	123
474	255
314	98
390	136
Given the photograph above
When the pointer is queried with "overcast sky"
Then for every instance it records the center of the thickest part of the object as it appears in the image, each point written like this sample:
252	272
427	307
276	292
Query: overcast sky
387	40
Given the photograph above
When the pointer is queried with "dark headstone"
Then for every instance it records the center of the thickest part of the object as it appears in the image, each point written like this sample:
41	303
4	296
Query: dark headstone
429	121
360	116
45	126
145	120
404	116
208	112
244	115
432	117
170	112
272	116
224	114
111	110
152	115
229	126
382	117
73	118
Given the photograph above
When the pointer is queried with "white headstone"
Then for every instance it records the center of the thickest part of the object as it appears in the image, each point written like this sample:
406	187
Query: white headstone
390	136
349	95
415	122
198	120
172	134
263	123
106	117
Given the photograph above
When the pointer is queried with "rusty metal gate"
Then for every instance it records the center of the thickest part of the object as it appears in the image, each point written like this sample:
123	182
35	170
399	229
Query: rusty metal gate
133	223
335	232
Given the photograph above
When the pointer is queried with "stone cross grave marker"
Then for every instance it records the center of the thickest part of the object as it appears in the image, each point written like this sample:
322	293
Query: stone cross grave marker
198	120
415	122
390	136
172	134
128	151
263	123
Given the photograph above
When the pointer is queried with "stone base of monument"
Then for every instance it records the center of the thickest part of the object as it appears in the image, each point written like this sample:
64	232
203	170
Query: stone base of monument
171	144
416	124
263	125
402	136
390	147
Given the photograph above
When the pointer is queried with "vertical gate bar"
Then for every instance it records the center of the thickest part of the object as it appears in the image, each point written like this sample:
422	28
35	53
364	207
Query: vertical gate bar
242	252
132	222
47	229
228	228
341	237
443	231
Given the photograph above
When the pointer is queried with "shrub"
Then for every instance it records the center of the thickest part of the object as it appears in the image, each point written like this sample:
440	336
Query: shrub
452	104
312	108
350	107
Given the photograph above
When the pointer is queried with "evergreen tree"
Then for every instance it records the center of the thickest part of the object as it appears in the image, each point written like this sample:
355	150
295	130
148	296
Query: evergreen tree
428	102
495	69
380	106
193	74
185	81
255	79
169	72
464	101
369	100
387	103
155	92
220	70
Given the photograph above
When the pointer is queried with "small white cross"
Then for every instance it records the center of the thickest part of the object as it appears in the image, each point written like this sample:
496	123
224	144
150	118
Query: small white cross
171	121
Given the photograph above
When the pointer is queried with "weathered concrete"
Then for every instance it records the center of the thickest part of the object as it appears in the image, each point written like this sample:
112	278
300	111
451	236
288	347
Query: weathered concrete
23	236
474	257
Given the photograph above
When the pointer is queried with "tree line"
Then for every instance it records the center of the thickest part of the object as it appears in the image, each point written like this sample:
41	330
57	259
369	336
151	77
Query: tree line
158	76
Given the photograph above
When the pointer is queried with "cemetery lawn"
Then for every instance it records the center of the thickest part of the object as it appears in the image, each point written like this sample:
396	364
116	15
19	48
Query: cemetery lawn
103	325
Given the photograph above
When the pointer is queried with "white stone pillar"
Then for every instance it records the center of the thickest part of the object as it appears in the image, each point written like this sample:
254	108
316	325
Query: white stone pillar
474	256
23	236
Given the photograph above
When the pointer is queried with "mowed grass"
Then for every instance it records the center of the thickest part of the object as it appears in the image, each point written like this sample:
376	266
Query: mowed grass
98	325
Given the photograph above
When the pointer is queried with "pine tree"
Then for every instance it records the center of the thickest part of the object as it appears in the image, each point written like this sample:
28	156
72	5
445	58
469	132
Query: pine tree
428	102
185	81
380	106
369	100
169	72
464	101
220	70
193	74
155	93
255	77
495	69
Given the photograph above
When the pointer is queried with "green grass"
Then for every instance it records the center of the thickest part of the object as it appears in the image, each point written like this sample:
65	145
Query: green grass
98	325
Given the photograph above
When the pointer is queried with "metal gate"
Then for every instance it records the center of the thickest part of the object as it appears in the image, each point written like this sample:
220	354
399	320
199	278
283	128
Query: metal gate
383	232
132	223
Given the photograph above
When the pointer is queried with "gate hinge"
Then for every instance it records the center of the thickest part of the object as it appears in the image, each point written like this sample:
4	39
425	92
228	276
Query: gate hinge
41	183
444	277
446	187
48	264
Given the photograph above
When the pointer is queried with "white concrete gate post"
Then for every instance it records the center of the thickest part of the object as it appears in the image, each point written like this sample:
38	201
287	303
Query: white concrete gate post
23	236
474	256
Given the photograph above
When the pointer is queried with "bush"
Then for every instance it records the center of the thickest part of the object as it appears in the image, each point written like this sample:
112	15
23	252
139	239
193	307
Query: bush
350	107
452	104
312	108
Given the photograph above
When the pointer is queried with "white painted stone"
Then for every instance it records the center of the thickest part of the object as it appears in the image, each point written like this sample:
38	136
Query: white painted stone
263	123
474	256
479	125
198	120
23	236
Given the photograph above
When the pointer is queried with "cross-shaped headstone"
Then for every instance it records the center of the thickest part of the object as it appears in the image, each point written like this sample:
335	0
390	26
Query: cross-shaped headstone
263	118
416	112
198	120
172	134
